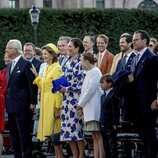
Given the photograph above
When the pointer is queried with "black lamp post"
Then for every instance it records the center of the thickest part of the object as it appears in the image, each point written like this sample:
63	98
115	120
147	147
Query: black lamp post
34	15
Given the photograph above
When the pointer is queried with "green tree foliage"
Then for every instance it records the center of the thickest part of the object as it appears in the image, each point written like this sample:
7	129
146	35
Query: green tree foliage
15	23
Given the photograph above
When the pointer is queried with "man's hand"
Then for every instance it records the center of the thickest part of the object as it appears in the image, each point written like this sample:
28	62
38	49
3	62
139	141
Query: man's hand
154	105
32	107
130	78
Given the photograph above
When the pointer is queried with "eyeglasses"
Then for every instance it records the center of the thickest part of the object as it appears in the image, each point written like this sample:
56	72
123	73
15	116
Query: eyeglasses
8	48
136	39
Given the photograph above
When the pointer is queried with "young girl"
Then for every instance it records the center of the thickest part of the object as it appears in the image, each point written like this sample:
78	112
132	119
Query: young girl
89	101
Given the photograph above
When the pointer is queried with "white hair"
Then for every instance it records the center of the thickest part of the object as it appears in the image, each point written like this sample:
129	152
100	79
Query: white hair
16	44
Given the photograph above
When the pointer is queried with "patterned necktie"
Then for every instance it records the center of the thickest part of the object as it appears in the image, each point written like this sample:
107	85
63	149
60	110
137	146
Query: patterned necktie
137	58
12	66
61	60
104	94
124	62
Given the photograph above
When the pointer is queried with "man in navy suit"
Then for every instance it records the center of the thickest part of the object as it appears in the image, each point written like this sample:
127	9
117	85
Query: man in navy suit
126	47
124	91
63	49
29	54
144	68
20	100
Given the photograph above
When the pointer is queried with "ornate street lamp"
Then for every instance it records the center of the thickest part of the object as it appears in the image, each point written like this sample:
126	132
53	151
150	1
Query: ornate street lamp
34	15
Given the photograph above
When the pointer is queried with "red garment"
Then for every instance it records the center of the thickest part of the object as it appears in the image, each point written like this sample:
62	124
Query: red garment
2	97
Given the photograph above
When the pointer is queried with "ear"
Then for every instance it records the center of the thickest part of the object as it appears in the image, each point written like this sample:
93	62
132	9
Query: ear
77	48
110	84
145	41
130	44
52	57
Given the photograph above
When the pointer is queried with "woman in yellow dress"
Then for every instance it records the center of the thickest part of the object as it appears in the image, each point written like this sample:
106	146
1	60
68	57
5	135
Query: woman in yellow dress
49	121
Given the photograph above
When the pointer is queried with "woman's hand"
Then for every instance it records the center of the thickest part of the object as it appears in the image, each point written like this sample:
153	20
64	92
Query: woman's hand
33	69
63	89
79	110
57	113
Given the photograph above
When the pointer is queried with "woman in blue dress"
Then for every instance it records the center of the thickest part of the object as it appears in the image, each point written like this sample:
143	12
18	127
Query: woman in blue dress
71	123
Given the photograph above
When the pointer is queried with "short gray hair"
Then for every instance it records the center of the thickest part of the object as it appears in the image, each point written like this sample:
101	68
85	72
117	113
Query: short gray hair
16	44
65	38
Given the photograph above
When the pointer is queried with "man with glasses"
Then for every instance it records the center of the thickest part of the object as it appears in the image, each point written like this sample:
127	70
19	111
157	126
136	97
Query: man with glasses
29	54
144	68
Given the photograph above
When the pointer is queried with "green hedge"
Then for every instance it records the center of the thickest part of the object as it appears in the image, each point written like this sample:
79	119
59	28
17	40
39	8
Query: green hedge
15	23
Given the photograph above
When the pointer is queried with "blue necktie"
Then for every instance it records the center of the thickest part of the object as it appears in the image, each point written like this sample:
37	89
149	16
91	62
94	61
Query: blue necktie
61	60
137	58
104	94
124	62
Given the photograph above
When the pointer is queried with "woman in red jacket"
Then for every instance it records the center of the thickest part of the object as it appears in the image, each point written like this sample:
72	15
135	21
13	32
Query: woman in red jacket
2	99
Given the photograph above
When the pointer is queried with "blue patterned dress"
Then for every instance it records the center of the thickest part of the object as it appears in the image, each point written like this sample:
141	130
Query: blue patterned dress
71	123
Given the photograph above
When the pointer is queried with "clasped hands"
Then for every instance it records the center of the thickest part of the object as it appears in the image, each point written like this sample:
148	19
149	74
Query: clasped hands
154	105
79	110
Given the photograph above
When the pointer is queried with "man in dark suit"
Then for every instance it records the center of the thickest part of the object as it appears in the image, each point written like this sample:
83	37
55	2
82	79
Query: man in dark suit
20	100
124	91
109	116
126	47
29	54
63	56
144	68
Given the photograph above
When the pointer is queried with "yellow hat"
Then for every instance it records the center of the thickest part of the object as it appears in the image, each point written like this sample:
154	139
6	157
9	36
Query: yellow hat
52	46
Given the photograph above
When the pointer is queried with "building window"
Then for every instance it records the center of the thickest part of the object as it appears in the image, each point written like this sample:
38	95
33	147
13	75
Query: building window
100	3
14	3
47	3
148	4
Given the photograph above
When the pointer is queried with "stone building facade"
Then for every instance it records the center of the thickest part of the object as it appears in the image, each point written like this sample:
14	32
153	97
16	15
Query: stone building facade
79	3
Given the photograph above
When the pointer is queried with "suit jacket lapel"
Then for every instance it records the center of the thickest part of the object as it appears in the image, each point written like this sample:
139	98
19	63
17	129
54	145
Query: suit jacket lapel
129	62
140	63
107	97
34	62
104	59
16	68
66	60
